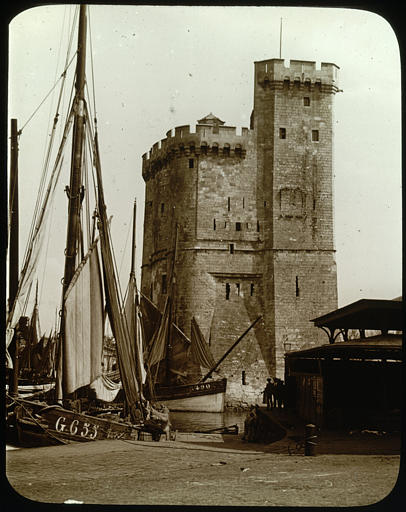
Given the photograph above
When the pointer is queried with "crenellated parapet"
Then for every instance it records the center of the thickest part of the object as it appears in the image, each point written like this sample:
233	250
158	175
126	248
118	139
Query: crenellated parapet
209	137
273	74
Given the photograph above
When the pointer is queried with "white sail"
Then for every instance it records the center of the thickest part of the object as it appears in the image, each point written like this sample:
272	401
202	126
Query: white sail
83	309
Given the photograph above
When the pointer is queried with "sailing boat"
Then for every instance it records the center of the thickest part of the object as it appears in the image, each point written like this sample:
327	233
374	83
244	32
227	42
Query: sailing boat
175	363
36	356
165	355
80	340
191	390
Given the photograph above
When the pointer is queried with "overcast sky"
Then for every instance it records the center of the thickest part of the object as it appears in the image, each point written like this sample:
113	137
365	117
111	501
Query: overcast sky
160	67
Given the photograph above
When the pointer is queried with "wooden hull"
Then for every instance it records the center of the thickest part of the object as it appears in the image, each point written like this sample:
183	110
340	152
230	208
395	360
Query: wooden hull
39	424
29	390
203	397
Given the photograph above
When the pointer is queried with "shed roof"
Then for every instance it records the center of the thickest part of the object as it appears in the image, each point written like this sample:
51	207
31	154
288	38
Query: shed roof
374	314
388	346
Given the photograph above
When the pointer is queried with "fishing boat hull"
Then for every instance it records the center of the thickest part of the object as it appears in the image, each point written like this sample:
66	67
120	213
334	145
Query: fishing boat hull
30	390
39	424
201	397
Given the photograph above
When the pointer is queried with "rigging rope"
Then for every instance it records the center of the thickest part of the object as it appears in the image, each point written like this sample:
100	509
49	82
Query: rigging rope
46	164
63	76
92	68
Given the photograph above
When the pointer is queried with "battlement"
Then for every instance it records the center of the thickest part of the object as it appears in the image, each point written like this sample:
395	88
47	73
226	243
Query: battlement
204	138
300	72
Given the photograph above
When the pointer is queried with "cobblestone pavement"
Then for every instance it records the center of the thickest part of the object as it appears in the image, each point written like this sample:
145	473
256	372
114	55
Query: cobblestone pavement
228	472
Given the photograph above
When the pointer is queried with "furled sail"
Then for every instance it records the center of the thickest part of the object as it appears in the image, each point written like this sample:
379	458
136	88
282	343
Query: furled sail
200	350
127	366
151	318
83	310
182	368
171	349
158	344
132	316
105	388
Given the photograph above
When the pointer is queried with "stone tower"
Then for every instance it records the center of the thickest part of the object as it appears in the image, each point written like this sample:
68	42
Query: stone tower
293	130
255	224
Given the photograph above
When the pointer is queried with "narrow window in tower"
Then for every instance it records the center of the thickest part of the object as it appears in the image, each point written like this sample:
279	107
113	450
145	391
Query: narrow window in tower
314	204
150	292
238	288
238	226
214	224
282	133
231	248
243	202
264	204
257	225
306	101
297	287
227	291
162	208
315	135
252	290
191	163
164	287
228	204
243	381
225	225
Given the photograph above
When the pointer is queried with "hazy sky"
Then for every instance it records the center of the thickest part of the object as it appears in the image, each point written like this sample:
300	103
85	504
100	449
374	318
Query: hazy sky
160	67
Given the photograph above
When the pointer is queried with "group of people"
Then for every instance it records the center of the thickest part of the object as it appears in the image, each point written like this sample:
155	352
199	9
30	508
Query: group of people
274	393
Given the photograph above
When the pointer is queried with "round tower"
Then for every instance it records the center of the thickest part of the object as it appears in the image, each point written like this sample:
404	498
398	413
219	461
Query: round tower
206	183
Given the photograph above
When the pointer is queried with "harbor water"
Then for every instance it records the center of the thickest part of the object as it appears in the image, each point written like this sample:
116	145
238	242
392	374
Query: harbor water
201	421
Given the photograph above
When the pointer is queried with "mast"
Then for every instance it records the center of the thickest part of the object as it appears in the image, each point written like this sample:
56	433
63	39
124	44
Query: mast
229	350
171	308
75	187
137	341
14	247
133	252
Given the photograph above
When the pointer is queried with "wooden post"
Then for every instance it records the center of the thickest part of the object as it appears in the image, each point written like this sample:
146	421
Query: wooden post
310	439
13	250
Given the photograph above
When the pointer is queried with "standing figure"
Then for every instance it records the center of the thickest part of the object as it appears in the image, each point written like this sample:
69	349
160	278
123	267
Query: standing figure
269	394
279	393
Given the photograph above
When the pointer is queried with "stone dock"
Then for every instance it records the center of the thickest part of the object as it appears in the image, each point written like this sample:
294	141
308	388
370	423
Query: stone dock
211	470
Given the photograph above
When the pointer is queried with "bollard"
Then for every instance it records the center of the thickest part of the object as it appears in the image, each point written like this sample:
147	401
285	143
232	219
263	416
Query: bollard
310	440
